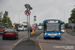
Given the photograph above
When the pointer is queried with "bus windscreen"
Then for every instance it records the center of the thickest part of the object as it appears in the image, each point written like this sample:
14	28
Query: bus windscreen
54	27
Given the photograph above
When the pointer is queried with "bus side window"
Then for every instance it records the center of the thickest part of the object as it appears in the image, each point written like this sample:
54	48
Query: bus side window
45	26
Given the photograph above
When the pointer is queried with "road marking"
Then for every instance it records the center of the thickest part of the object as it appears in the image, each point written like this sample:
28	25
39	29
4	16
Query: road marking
40	46
39	43
19	41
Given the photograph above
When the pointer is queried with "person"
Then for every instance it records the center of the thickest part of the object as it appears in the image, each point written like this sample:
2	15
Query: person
16	28
30	29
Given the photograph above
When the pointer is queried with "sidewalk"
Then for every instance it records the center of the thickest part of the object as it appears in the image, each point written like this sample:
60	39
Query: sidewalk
26	45
70	31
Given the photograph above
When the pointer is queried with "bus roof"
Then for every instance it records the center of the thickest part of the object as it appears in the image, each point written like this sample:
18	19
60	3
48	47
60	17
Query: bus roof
52	20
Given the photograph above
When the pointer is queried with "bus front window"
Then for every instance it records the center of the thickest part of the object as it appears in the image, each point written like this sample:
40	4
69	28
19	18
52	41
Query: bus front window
52	27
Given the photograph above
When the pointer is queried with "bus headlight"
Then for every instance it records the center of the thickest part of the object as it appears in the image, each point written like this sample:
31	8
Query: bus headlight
59	34
46	34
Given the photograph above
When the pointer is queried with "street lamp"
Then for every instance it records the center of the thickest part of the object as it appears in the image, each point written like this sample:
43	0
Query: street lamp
27	6
7	14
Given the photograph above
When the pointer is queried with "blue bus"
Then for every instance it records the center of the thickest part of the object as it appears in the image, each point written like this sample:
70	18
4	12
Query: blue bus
52	28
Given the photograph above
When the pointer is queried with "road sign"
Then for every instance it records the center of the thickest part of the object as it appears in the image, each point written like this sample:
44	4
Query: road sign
27	12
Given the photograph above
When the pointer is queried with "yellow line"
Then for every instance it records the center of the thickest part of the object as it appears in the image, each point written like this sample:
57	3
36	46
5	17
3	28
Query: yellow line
39	43
19	41
40	46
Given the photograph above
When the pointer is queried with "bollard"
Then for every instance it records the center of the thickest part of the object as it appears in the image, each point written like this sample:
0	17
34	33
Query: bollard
32	31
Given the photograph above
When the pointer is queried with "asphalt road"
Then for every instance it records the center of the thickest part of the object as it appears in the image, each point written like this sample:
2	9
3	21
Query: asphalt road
31	44
9	43
67	42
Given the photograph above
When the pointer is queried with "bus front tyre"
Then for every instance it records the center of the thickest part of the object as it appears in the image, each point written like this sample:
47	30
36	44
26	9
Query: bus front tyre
58	38
44	38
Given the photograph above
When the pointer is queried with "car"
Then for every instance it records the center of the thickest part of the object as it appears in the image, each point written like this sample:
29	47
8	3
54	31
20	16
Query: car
10	33
20	28
62	30
40	27
2	29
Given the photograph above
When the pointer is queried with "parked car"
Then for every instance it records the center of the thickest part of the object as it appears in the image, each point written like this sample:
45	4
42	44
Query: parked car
2	29
20	28
10	33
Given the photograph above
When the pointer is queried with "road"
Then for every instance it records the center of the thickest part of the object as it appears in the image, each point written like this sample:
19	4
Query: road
67	42
9	43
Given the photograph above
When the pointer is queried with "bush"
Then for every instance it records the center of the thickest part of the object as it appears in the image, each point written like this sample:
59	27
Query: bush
66	25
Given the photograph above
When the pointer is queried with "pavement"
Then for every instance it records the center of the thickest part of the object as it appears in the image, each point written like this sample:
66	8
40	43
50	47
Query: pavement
31	44
37	33
70	31
26	45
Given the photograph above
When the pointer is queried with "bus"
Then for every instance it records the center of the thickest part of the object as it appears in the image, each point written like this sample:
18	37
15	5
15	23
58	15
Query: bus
16	25
52	28
24	26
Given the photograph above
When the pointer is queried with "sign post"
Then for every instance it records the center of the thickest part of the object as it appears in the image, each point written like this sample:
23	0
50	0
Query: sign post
27	13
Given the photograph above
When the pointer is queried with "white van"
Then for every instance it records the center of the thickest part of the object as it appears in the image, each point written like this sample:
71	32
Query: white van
40	27
20	28
62	28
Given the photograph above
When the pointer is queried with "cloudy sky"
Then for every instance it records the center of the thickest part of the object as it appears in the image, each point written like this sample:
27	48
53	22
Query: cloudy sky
43	9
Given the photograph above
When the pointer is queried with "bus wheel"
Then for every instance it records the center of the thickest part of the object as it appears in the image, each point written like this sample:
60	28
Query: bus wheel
44	38
58	38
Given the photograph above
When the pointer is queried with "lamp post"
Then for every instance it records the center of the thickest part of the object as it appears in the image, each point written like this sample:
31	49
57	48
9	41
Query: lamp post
7	14
19	15
28	7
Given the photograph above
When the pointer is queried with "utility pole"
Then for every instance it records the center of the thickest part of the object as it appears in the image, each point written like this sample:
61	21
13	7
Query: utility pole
7	17
0	16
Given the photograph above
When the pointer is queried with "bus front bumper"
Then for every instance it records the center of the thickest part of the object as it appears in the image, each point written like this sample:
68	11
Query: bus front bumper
52	36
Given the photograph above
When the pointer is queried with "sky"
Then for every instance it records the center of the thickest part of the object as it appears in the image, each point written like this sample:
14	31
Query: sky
42	9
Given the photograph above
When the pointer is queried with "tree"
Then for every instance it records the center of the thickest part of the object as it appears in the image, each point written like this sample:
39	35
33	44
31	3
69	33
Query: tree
66	25
72	18
0	16
6	18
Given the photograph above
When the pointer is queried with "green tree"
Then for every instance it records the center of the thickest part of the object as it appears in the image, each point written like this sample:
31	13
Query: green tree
66	25
5	19
72	18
